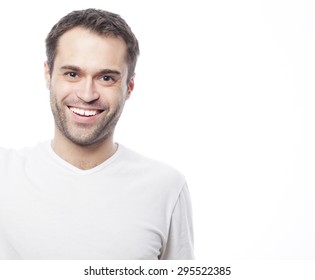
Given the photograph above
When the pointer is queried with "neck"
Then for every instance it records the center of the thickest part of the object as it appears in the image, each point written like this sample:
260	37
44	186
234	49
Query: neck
83	157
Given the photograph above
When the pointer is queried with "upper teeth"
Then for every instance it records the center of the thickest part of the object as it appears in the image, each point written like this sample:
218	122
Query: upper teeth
83	112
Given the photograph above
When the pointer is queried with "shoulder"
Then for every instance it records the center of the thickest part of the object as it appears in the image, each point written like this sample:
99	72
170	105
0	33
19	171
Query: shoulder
10	161
13	157
7	156
4	154
152	169
141	162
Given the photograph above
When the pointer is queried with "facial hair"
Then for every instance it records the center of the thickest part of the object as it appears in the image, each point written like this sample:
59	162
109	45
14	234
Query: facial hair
84	135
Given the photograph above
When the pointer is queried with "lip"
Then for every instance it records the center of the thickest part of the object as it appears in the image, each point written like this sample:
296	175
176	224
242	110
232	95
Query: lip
84	119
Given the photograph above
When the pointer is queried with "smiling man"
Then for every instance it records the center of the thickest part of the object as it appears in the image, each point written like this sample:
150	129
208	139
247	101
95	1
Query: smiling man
81	195
89	85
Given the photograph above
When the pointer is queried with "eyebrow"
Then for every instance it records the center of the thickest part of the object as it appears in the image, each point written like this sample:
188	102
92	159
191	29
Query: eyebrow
101	72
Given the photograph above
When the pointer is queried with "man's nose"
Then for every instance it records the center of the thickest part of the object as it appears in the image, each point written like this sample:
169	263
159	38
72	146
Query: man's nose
87	91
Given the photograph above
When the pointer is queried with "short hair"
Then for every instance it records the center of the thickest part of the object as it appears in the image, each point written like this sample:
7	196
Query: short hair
99	21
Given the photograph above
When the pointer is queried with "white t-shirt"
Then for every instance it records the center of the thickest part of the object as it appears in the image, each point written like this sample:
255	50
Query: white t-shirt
129	207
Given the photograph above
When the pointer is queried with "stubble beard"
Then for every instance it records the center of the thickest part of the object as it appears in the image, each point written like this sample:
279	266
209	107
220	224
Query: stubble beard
83	135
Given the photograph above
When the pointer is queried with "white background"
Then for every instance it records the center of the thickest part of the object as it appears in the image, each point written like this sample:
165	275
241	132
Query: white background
224	92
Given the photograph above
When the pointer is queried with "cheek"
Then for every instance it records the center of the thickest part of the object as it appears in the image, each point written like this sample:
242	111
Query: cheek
61	90
115	105
114	96
113	102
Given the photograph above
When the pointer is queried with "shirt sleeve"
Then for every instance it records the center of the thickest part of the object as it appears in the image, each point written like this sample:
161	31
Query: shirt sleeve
180	242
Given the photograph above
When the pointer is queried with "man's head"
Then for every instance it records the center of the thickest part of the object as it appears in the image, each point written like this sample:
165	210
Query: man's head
99	21
90	74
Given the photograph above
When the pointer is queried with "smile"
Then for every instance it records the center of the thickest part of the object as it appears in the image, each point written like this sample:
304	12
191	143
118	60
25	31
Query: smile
84	112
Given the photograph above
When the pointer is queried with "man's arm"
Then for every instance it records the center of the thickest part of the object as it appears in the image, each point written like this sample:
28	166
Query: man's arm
180	243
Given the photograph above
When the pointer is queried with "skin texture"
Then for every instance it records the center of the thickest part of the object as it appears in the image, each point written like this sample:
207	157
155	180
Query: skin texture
90	78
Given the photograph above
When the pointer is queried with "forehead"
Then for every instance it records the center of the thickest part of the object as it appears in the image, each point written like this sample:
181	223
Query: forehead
84	48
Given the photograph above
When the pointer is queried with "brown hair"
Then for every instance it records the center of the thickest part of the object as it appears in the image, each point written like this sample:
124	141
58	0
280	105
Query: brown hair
100	21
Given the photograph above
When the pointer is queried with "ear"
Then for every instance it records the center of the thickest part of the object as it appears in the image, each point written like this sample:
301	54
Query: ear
47	74
131	85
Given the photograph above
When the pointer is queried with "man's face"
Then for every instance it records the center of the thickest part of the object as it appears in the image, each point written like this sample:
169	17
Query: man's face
88	85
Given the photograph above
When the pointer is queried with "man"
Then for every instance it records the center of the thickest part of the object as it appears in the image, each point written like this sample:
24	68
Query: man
82	196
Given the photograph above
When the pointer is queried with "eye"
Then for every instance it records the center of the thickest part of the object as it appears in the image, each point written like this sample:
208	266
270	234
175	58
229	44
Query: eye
71	74
106	78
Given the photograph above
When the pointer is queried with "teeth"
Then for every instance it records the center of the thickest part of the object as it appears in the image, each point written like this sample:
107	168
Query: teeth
83	112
